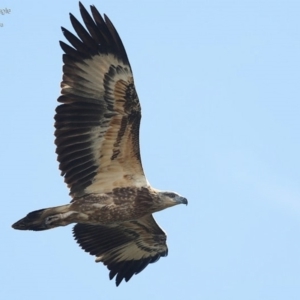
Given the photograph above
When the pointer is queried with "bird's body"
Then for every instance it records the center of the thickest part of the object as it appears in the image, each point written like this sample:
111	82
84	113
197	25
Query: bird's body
97	139
113	208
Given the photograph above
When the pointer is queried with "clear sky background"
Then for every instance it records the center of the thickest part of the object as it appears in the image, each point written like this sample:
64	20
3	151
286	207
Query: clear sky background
218	83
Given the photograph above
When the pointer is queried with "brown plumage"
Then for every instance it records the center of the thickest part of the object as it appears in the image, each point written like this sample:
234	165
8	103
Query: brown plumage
97	139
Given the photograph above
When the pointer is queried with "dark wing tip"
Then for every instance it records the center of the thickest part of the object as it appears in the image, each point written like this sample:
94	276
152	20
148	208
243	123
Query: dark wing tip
126	269
98	36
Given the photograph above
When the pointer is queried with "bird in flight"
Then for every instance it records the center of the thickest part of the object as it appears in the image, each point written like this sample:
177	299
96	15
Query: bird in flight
97	144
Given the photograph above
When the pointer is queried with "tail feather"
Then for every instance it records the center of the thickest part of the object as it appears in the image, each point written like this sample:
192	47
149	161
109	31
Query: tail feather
31	222
43	219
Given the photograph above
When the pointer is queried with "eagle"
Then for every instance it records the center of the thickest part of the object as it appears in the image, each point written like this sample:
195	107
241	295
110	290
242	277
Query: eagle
97	145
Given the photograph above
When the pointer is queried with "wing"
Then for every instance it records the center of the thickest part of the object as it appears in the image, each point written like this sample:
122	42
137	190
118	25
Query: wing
125	249
97	124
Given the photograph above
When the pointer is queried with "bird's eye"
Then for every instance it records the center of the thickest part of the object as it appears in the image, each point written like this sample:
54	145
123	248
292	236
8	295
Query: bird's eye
171	195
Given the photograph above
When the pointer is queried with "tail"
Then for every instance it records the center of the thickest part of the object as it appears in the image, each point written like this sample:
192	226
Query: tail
43	219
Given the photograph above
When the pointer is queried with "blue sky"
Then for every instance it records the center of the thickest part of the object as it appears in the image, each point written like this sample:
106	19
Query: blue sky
218	83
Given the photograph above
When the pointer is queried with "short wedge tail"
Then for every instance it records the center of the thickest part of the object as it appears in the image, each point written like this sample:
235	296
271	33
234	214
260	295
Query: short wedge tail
44	219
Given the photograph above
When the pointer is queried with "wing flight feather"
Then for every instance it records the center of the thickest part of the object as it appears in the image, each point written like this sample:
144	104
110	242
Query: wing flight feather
125	249
97	123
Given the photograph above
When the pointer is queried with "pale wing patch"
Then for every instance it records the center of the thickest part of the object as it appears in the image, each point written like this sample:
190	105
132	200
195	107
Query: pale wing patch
93	71
141	248
114	141
124	170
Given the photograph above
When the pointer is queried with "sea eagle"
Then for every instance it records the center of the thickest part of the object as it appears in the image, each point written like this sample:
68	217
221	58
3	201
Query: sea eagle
97	139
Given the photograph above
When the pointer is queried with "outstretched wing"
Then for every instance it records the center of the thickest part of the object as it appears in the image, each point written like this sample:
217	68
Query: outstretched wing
125	249
97	124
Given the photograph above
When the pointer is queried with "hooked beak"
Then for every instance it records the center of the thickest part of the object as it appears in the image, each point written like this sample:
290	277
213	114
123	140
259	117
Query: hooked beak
181	200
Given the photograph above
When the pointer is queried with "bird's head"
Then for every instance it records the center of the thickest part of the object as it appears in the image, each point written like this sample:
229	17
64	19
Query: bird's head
169	199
